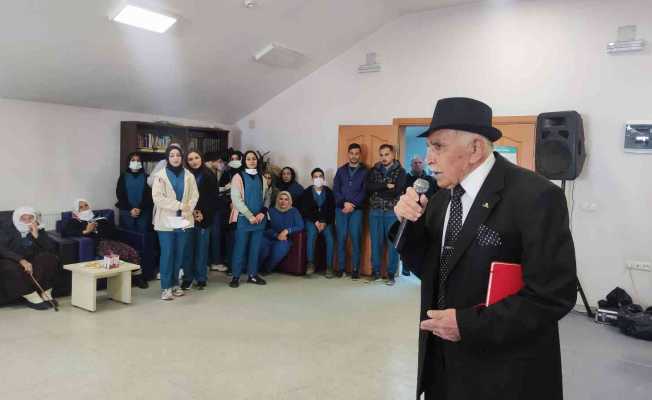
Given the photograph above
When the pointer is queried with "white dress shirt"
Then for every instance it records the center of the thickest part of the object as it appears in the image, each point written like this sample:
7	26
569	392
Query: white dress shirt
471	185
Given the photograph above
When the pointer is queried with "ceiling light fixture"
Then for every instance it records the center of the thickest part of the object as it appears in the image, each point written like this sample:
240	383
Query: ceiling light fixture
250	3
144	19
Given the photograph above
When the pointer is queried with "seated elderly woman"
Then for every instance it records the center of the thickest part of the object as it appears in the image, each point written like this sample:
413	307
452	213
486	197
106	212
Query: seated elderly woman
284	220
102	231
26	254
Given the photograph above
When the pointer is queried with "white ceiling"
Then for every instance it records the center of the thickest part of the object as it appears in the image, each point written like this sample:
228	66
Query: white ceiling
68	52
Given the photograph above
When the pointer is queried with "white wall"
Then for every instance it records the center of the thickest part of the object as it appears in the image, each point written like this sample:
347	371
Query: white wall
522	58
53	154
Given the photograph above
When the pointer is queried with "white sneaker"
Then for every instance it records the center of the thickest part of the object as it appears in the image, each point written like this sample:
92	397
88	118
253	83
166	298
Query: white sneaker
158	276
177	291
219	267
166	294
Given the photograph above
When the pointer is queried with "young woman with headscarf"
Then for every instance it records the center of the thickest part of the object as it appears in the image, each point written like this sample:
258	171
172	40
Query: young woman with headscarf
26	249
284	220
175	196
195	264
250	203
84	224
134	197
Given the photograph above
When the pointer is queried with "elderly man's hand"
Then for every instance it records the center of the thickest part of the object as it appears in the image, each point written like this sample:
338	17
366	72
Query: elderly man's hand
443	324
411	206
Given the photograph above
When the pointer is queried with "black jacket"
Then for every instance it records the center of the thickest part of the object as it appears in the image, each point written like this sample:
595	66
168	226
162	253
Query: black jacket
208	198
509	350
310	211
75	228
380	197
14	247
123	201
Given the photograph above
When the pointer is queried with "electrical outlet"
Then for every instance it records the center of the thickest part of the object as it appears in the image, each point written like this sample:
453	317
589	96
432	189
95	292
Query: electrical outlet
639	266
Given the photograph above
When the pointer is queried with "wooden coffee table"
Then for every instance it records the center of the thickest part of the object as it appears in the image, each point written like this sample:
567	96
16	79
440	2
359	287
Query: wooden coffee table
84	283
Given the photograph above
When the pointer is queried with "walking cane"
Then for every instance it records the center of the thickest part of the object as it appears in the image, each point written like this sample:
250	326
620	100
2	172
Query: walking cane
52	303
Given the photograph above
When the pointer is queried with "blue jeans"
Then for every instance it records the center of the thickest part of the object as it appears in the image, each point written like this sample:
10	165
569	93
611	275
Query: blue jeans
379	224
312	233
272	252
140	224
247	248
217	256
348	225
173	246
195	263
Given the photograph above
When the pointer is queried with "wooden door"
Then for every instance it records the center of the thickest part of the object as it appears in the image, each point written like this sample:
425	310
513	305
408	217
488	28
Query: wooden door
518	133
369	137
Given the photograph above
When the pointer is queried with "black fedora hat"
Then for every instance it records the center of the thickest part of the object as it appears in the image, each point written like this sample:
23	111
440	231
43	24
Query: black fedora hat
462	113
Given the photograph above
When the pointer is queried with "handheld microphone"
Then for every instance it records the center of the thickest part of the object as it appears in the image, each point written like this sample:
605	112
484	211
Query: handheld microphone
420	186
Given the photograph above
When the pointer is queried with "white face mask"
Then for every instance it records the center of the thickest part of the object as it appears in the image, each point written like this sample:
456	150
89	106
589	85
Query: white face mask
86	215
318	182
23	227
251	171
235	164
135	165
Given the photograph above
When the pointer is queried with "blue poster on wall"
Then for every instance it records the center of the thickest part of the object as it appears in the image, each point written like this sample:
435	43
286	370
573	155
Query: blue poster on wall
509	152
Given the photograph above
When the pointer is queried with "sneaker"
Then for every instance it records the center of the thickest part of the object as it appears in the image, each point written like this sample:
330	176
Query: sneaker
405	272
355	275
166	294
201	285
256	280
219	267
390	281
186	285
329	273
339	273
235	282
310	269
374	277
158	276
177	291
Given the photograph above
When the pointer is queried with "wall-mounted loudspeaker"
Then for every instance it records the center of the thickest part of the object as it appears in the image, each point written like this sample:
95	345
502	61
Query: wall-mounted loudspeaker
560	151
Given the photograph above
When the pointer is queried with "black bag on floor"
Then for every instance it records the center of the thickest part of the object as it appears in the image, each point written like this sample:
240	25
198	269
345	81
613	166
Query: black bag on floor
635	322
617	298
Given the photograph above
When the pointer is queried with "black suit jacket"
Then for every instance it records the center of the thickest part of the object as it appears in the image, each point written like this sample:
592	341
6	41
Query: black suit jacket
509	350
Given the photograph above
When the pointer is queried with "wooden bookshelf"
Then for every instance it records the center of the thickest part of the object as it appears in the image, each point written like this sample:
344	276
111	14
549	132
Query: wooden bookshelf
150	139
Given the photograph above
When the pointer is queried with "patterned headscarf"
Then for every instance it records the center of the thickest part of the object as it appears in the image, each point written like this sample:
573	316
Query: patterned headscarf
278	197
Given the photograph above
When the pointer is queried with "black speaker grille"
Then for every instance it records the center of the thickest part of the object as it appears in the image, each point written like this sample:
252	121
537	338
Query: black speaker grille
557	158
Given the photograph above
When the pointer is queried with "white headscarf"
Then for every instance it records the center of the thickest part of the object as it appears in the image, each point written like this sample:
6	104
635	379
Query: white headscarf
20	226
84	215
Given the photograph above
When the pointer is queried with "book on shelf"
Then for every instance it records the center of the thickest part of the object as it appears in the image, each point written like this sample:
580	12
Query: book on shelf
150	142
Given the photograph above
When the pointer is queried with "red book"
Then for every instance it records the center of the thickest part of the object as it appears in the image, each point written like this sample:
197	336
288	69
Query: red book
505	279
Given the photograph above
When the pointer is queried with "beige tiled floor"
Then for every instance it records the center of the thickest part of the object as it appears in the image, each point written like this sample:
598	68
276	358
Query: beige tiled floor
296	338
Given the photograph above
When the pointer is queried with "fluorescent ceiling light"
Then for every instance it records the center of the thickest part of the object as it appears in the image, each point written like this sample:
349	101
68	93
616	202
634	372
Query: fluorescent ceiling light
145	19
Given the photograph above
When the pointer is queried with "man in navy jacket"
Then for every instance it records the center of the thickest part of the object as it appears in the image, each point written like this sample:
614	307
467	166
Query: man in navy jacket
350	194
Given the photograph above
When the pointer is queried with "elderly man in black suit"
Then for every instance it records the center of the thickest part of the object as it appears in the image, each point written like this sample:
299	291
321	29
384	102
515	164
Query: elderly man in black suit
492	211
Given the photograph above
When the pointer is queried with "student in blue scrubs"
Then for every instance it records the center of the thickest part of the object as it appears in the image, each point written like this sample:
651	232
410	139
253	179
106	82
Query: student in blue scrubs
251	200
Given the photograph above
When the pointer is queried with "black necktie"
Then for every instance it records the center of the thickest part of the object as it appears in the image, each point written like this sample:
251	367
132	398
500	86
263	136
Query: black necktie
453	229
